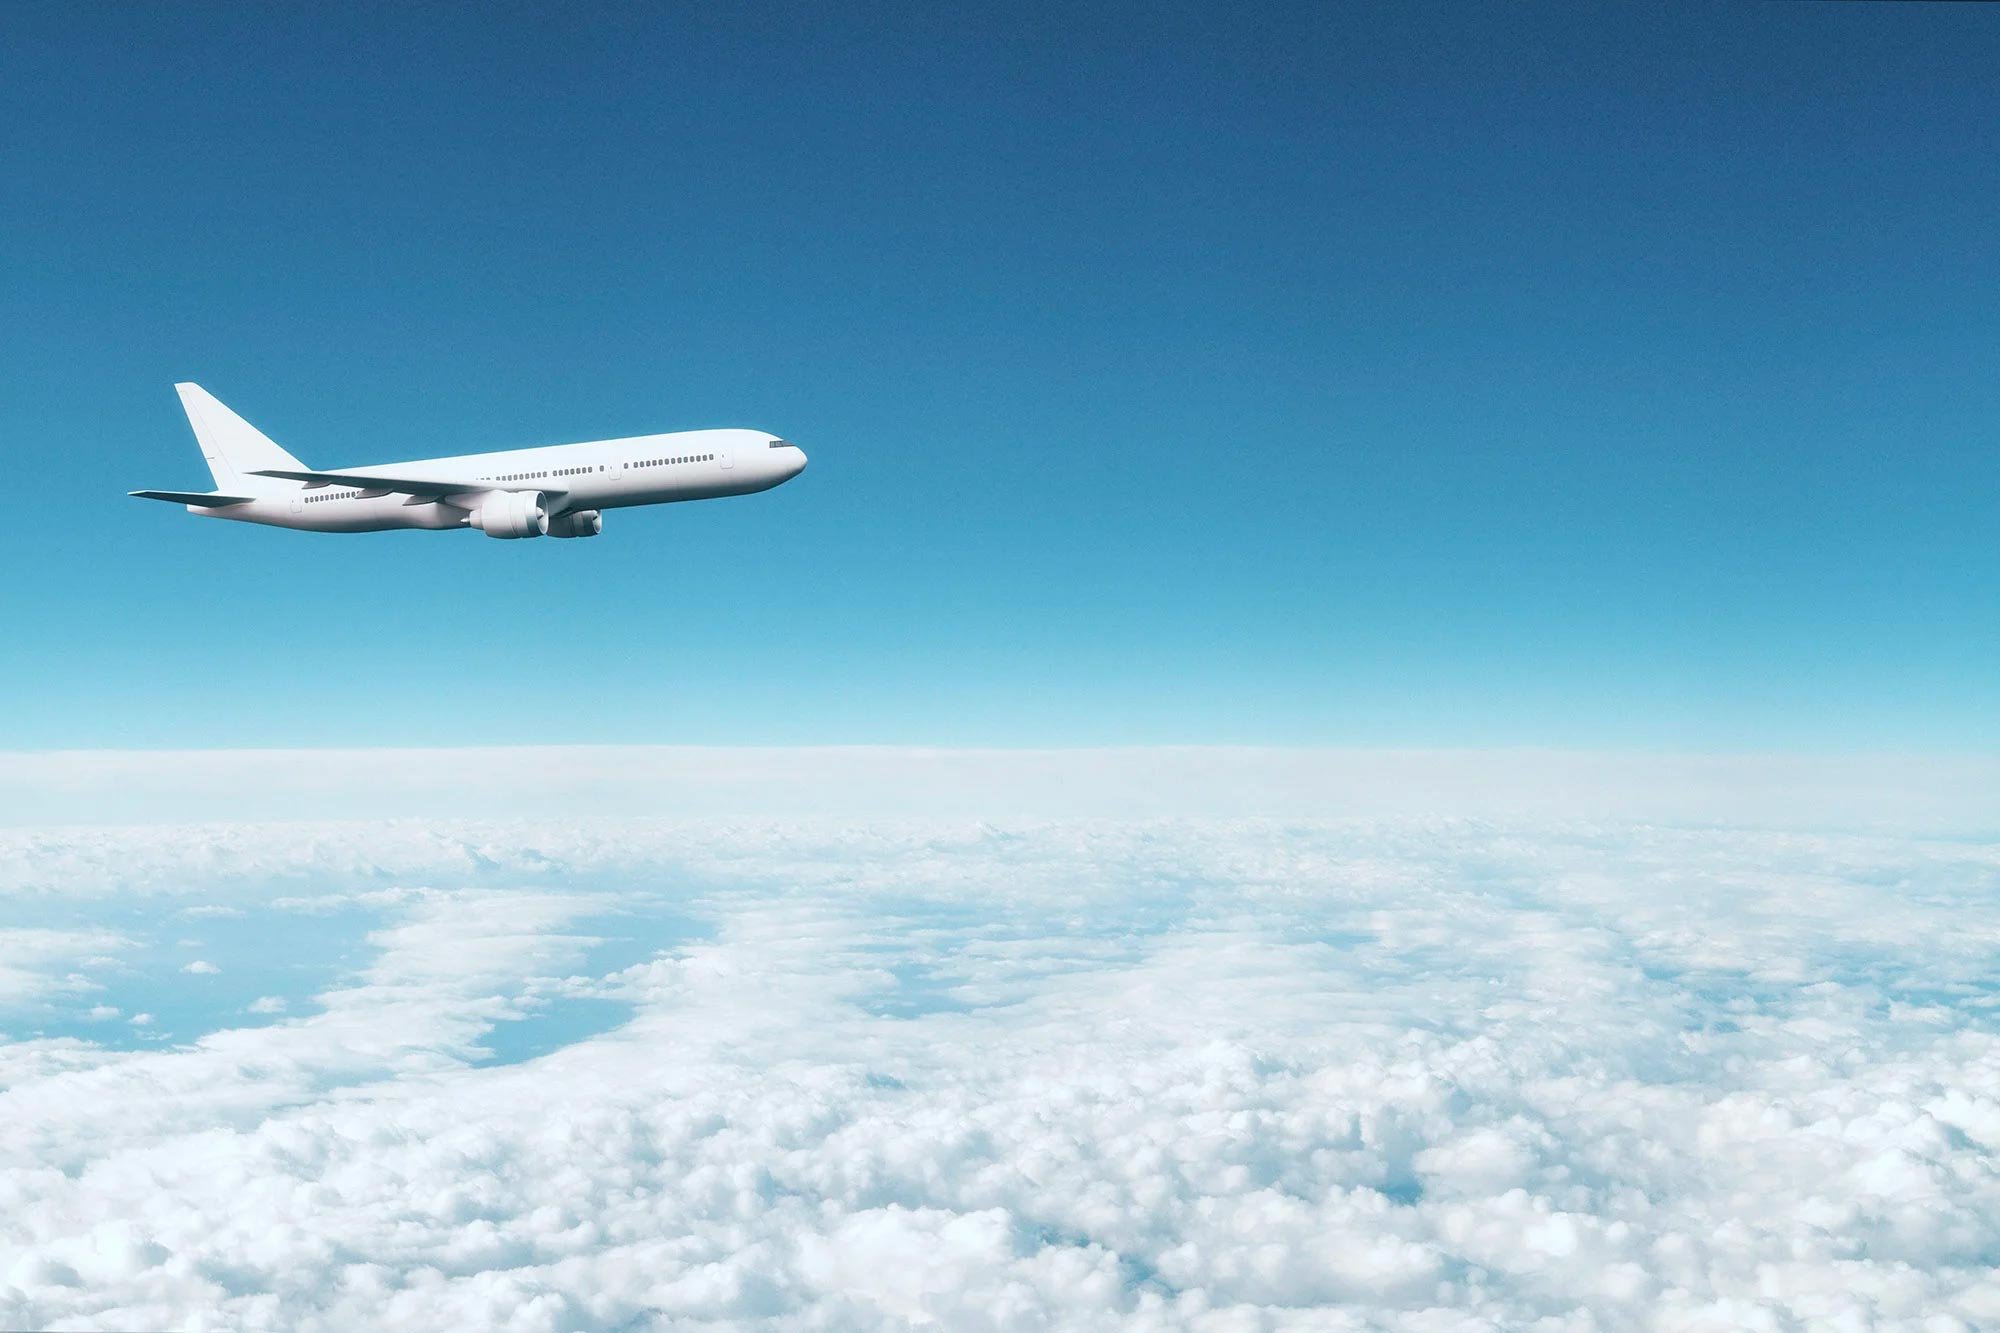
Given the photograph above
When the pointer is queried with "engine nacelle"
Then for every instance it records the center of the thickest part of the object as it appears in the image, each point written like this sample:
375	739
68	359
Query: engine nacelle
513	514
582	523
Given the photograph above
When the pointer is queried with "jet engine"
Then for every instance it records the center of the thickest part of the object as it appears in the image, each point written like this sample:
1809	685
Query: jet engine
512	514
582	523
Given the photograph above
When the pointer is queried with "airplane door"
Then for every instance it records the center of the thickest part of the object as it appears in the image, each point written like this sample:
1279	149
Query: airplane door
296	504
725	454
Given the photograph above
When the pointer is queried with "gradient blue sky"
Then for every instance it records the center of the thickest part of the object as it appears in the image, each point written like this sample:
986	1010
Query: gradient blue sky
1583	376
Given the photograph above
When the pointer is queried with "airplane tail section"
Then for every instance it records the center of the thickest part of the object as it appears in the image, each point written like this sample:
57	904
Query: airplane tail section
236	450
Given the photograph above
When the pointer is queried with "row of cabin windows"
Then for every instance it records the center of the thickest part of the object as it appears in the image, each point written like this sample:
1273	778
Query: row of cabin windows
572	471
536	476
337	495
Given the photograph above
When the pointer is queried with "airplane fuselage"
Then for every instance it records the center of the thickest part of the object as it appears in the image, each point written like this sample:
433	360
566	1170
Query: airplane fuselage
558	490
597	475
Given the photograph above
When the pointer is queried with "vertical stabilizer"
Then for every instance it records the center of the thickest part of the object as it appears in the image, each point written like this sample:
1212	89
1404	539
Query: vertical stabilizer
233	447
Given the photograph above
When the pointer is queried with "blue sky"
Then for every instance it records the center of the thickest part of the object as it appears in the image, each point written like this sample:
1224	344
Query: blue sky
1329	374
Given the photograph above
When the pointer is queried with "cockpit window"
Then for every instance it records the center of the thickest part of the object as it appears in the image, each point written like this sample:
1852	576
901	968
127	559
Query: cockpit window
782	444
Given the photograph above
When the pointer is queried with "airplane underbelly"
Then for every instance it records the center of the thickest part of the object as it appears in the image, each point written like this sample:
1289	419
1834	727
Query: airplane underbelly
378	514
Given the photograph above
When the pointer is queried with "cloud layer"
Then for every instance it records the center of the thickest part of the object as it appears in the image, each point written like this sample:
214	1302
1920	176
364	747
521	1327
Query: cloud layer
1207	1074
1957	794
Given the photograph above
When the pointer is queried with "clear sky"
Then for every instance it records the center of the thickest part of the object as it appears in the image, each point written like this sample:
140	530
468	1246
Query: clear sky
1613	376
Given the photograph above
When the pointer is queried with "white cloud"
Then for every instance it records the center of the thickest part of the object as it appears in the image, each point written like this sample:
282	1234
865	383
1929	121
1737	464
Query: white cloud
201	967
268	1004
37	963
1404	1074
141	1020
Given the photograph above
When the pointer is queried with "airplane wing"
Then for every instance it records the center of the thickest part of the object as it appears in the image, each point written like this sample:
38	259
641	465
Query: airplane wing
427	488
206	499
368	481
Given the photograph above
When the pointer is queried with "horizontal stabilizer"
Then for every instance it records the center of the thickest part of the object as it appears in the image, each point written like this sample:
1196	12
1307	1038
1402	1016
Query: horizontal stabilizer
369	481
206	499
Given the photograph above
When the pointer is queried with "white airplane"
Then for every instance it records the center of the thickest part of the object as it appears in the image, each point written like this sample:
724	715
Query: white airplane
560	490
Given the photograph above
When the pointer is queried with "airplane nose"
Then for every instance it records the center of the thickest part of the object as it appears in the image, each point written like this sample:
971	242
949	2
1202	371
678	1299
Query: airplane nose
799	463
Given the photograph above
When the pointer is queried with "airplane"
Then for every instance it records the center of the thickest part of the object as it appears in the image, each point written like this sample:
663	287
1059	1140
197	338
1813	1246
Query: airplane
559	490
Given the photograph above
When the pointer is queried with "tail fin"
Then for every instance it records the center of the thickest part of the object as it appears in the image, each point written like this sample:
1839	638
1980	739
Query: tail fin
233	447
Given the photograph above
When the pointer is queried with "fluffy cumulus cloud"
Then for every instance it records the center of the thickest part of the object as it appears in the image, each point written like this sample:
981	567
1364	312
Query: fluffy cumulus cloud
37	961
1178	1074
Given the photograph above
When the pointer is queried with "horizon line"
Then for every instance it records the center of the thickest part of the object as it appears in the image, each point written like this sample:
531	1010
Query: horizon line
1852	791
